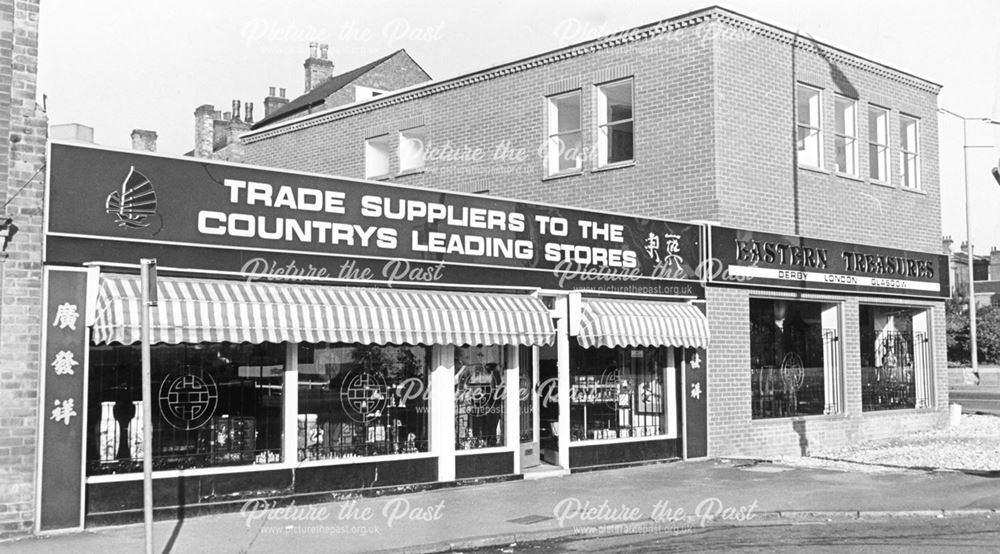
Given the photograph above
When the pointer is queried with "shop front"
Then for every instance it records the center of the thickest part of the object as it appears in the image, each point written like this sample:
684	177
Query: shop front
314	334
842	341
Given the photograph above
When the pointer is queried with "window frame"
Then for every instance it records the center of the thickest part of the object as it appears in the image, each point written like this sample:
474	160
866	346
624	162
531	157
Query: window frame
405	169
602	126
818	127
831	332
552	133
369	148
906	155
881	148
849	137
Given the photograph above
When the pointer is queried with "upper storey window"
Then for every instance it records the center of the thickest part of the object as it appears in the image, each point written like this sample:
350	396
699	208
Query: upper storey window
878	144
614	123
846	135
411	149
808	117
909	154
564	149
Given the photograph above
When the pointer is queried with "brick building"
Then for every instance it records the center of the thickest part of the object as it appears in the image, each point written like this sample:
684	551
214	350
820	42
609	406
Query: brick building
217	133
707	236
720	118
23	129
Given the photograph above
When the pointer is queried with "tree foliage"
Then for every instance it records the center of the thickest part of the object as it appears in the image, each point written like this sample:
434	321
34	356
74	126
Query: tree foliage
987	330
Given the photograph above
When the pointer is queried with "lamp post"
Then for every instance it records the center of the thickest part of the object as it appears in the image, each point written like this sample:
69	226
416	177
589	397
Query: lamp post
973	347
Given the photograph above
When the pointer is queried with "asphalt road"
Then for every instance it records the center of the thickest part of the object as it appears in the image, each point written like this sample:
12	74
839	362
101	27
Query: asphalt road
971	533
985	401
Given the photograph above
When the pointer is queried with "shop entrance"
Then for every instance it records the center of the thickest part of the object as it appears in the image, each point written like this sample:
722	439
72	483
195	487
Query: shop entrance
546	398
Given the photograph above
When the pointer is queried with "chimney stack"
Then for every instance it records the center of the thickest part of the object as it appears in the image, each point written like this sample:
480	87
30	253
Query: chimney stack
318	69
946	243
965	246
248	112
994	274
204	130
143	139
273	102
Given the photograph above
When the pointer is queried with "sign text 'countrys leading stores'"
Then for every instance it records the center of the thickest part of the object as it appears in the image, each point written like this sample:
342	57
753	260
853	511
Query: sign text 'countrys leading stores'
764	259
281	225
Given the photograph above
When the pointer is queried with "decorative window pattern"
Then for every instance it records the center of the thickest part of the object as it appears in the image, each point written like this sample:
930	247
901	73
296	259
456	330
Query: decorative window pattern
480	397
213	405
845	135
564	149
808	117
909	155
878	144
357	401
614	123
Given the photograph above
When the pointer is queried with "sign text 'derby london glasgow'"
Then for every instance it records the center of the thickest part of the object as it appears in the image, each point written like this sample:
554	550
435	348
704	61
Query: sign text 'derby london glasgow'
765	259
172	202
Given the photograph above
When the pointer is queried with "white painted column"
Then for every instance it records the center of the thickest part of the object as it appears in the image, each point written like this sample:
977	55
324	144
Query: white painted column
442	410
290	394
562	352
512	415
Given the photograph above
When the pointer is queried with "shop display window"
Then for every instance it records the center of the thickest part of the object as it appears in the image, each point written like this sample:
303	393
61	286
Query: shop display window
357	401
793	358
894	347
618	393
480	396
212	405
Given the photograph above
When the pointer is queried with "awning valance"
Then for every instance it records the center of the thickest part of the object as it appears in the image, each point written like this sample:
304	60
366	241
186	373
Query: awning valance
611	323
204	310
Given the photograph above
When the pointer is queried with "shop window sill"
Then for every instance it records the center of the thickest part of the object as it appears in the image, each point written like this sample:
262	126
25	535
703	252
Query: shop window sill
882	184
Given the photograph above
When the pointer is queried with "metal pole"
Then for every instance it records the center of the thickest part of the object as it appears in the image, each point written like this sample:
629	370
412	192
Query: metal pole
147	411
973	348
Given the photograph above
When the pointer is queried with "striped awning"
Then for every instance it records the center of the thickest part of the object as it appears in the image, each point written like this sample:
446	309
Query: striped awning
613	323
203	310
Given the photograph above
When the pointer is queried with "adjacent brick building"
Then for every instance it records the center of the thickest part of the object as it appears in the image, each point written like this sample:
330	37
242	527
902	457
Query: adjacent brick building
732	121
23	129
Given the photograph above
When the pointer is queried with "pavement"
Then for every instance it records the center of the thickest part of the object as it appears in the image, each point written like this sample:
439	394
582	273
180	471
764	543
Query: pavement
659	498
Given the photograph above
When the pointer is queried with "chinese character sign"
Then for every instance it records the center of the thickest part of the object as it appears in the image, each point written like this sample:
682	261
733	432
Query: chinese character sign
61	453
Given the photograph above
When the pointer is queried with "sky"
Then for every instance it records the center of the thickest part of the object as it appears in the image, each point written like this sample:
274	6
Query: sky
118	65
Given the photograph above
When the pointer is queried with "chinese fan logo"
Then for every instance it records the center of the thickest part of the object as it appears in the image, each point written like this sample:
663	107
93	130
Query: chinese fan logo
134	203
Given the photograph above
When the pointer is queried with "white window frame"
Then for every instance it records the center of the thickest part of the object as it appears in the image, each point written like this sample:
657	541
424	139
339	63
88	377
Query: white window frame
816	127
849	138
603	139
554	135
412	157
878	149
909	159
378	156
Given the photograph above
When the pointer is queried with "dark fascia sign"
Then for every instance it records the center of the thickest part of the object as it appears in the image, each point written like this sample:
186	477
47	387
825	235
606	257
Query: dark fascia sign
110	206
751	258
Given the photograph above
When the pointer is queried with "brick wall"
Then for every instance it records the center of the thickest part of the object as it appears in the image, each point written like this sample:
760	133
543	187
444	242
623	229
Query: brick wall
714	139
731	429
20	269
